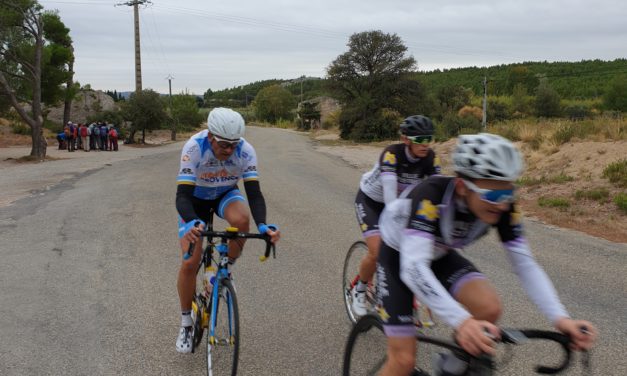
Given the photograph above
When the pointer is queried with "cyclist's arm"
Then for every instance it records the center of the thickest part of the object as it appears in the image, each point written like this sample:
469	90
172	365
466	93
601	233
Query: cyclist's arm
256	202
534	280
388	176
184	205
416	253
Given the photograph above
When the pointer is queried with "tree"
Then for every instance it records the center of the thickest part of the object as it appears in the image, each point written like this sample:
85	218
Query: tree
146	111
368	81
615	97
34	55
273	103
185	112
547	102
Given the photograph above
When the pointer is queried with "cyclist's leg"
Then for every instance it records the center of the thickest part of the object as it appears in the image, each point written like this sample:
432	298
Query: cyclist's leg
368	212
396	301
233	209
186	281
468	286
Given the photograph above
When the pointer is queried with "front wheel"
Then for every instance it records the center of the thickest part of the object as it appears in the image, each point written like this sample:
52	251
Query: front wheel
223	336
350	277
365	351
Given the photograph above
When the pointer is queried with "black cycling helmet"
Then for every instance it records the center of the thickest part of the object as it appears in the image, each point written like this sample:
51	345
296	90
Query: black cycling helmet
417	125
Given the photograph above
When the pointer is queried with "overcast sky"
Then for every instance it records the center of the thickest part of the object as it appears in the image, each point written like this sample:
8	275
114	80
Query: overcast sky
220	44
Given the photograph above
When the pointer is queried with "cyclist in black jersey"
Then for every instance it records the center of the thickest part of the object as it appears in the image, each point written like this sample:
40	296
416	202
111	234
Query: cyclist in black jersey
422	233
399	166
212	163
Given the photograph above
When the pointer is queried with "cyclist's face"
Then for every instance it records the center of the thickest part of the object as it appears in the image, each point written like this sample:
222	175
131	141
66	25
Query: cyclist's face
222	149
418	150
487	211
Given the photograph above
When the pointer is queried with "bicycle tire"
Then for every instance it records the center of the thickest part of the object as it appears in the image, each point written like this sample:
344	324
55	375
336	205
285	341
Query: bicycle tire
350	273
225	341
364	325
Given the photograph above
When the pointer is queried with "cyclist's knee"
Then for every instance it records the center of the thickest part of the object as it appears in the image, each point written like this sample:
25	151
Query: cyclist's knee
490	311
241	222
402	361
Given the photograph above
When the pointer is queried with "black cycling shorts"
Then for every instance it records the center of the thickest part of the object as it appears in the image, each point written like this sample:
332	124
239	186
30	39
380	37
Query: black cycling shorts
368	212
397	300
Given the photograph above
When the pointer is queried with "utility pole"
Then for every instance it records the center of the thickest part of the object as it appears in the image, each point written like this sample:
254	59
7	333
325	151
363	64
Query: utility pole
138	62
173	133
485	103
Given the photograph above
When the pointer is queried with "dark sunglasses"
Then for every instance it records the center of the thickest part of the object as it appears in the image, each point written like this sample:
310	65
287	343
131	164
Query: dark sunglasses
421	140
226	144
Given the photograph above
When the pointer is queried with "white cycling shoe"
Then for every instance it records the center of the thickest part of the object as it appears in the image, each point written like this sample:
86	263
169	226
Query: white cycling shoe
184	340
360	304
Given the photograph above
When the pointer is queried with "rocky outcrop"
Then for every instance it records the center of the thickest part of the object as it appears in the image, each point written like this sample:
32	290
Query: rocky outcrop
86	103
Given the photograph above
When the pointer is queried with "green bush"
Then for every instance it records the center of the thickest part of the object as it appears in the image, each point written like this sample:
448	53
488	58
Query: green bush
555	179
600	194
567	131
19	128
621	201
554	202
616	173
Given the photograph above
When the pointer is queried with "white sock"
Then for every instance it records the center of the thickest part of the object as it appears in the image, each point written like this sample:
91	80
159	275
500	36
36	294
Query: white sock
186	318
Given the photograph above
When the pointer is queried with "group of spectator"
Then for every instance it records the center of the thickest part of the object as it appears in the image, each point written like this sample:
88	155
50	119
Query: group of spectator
95	136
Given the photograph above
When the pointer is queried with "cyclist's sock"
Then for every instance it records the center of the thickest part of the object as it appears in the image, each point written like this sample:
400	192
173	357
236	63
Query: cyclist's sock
186	318
453	364
361	286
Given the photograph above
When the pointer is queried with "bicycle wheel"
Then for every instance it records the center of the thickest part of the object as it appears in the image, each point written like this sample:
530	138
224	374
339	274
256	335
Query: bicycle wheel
350	276
223	346
199	307
365	351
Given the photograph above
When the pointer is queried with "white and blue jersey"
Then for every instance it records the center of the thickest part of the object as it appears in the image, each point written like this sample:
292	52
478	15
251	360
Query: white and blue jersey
210	176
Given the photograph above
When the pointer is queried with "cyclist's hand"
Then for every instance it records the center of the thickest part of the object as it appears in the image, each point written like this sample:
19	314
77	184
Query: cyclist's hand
193	234
477	336
582	333
272	231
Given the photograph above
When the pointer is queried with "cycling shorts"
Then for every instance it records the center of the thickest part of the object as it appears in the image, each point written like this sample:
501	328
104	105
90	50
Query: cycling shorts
206	208
396	300
368	212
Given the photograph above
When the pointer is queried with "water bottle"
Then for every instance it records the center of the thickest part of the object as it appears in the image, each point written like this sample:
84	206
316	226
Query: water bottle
209	280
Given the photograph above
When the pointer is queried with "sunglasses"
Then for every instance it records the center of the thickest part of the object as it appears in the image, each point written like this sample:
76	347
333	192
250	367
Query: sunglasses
421	140
223	144
492	196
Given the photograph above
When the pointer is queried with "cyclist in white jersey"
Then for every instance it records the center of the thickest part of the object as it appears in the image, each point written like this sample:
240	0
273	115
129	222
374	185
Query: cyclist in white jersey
212	163
399	166
422	233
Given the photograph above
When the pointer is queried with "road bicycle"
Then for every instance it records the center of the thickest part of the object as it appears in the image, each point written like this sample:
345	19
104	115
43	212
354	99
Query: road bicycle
365	351
350	276
214	305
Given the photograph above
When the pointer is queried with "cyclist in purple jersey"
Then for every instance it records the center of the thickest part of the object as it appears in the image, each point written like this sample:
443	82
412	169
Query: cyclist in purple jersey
212	163
422	233
399	166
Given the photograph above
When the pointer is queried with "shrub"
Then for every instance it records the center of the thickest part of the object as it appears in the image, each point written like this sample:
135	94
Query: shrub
616	173
554	202
19	128
555	179
600	194
621	201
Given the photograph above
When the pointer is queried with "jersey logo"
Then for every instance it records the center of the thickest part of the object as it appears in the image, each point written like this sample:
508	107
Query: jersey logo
427	211
389	159
383	314
185	158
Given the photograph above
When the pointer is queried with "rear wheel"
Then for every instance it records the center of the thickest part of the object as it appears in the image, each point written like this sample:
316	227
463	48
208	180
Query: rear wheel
350	277
223	345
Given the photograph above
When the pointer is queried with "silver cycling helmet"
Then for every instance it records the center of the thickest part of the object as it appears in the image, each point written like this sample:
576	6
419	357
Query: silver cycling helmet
487	156
225	123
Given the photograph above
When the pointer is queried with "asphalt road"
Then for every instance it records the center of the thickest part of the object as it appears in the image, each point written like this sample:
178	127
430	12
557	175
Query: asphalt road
88	273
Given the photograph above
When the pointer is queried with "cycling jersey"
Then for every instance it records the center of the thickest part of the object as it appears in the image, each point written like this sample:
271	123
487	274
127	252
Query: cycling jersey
395	171
203	177
428	221
211	176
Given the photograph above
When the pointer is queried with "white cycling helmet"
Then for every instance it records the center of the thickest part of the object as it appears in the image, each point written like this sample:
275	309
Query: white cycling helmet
225	123
487	156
